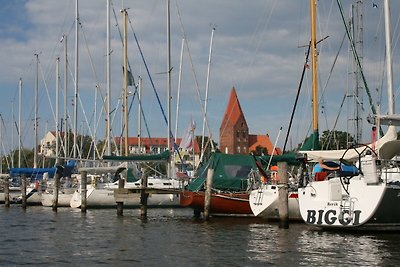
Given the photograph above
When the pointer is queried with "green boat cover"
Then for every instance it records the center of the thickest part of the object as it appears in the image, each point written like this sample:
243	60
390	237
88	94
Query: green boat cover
230	172
312	142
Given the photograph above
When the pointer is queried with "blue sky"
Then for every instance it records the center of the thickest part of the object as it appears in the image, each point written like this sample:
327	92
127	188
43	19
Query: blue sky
257	48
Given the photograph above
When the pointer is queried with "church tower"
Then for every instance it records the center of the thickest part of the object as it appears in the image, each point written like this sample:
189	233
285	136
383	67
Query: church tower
234	132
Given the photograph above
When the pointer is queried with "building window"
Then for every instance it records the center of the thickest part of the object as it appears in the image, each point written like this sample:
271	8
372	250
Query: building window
238	149
237	134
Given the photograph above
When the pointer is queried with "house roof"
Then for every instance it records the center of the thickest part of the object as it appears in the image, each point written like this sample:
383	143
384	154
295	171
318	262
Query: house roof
263	141
155	141
233	110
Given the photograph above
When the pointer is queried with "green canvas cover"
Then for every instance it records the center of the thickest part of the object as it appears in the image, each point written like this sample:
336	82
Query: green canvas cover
230	172
312	142
290	158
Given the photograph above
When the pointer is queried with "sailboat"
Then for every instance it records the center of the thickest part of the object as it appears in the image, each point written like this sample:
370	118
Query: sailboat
367	197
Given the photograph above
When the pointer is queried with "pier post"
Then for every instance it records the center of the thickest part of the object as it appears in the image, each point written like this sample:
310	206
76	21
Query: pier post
283	195
56	188
207	196
143	195
83	191
23	191
6	188
120	205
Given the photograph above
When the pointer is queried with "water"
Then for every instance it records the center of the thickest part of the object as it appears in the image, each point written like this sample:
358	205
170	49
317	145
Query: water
172	237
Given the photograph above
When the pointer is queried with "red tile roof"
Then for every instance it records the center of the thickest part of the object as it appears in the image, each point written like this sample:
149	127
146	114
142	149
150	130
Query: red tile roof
263	141
155	141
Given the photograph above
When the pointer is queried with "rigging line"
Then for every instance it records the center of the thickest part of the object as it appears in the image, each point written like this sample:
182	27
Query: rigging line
92	65
151	81
86	120
353	49
194	74
47	91
328	139
260	41
2	143
18	133
332	67
297	98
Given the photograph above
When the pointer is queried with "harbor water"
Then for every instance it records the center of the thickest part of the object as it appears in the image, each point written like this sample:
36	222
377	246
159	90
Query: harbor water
173	237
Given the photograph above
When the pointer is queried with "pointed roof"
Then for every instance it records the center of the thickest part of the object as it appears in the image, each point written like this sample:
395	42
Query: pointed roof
233	111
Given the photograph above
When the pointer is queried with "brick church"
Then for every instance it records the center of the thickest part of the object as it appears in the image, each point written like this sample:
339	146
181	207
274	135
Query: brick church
234	134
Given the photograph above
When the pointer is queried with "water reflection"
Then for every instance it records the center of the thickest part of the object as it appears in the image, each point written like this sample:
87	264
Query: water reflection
172	237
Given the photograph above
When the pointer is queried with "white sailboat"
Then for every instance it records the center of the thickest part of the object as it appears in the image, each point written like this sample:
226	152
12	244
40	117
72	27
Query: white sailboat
367	198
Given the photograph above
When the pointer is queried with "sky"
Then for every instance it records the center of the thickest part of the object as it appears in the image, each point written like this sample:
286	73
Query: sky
258	47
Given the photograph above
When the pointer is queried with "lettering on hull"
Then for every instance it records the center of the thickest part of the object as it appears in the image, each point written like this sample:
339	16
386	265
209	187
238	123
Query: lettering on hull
329	217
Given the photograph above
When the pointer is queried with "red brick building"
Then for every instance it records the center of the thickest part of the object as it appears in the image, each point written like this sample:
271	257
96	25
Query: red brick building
234	134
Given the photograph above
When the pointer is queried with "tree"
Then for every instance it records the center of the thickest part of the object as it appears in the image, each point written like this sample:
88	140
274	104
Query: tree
336	140
259	151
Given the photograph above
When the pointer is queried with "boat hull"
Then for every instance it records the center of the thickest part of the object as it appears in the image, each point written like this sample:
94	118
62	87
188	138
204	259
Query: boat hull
226	204
264	202
64	198
326	204
105	198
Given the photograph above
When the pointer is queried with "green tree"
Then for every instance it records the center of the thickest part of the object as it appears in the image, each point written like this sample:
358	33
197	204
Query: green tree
336	140
259	151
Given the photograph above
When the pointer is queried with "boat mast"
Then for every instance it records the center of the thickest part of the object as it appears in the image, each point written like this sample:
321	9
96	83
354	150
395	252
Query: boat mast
389	58
169	85
66	133
178	97
124	15
76	79
36	111
19	122
139	131
108	82
57	108
314	72
207	86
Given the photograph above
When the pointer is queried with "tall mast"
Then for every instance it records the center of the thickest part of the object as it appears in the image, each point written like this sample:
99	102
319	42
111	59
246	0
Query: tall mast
57	108
66	133
108	77
358	87
36	111
124	14
169	84
19	122
389	58
139	131
76	79
207	85
314	71
179	89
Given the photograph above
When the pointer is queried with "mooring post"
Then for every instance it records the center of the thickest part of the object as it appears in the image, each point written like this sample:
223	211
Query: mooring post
120	205
23	191
283	195
83	191
143	195
6	188
207	196
56	188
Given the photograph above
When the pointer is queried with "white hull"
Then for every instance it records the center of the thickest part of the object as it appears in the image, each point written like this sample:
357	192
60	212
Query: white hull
365	201
33	198
102	195
64	198
264	202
